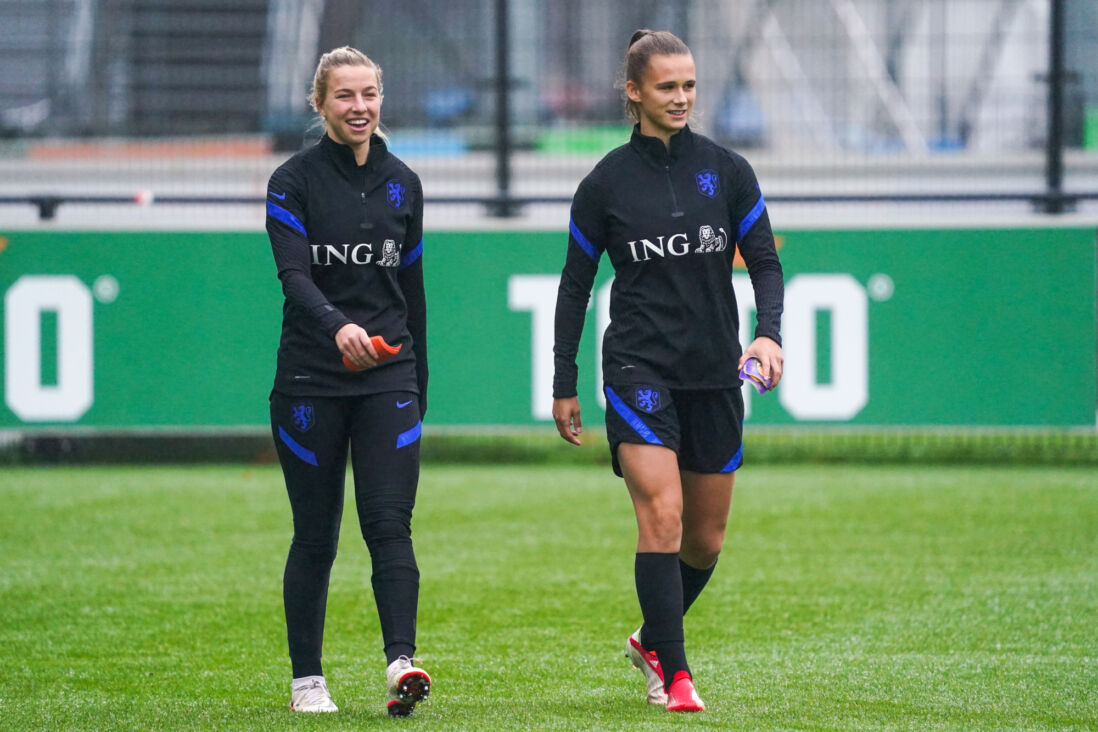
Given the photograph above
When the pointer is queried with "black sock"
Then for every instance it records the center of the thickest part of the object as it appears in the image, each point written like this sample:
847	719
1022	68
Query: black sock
693	582
659	589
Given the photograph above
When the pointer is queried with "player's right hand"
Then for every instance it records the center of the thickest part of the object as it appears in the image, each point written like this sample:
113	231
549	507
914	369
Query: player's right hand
354	344
566	413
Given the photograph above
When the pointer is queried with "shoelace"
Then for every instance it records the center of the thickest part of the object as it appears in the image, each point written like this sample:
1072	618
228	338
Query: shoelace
409	662
316	693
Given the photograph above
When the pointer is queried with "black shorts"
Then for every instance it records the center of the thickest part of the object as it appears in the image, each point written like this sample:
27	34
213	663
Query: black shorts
704	427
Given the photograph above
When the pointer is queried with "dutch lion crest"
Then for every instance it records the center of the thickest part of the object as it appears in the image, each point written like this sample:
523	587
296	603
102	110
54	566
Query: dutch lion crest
648	398
709	184
303	416
394	193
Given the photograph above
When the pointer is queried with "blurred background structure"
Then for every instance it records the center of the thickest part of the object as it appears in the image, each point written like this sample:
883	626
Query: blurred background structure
930	168
986	105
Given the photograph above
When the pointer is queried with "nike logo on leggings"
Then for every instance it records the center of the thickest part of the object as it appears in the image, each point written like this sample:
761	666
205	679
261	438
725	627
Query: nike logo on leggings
402	405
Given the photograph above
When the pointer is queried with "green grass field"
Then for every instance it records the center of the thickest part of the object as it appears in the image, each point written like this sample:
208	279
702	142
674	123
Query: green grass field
848	597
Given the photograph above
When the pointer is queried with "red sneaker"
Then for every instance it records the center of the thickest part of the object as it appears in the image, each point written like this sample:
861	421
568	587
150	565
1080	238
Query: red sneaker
681	696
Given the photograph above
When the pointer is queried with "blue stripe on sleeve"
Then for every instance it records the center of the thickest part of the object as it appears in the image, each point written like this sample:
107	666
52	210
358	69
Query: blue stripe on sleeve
301	451
410	258
631	417
735	462
285	217
585	245
752	216
407	438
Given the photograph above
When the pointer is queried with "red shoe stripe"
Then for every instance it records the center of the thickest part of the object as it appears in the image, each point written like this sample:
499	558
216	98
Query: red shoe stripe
649	657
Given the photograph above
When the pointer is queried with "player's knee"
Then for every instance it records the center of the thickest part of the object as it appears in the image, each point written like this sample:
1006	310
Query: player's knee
387	528
702	551
316	553
661	526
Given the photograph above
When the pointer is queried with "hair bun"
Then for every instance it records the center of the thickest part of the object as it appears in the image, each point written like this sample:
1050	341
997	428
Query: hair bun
639	34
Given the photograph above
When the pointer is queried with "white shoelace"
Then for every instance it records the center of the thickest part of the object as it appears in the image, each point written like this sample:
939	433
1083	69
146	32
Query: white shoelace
314	694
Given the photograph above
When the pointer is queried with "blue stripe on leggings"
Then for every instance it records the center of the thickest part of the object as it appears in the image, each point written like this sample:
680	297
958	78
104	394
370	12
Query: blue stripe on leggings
407	438
302	452
631	417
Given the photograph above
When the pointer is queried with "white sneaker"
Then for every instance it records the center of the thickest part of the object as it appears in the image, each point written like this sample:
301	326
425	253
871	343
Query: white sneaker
310	694
649	665
408	685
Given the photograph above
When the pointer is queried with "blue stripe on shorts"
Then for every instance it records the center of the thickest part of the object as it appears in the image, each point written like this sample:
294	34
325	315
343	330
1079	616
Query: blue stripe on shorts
631	418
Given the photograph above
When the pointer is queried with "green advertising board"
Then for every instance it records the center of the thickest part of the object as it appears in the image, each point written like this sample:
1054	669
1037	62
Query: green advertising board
178	330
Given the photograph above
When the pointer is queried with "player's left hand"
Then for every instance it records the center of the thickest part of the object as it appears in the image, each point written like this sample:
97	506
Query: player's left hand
770	358
354	344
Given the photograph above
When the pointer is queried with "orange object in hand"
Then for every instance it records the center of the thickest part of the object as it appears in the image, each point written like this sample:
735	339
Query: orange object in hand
384	352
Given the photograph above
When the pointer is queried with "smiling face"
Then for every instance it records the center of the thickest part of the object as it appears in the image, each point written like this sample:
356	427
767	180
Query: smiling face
665	95
351	107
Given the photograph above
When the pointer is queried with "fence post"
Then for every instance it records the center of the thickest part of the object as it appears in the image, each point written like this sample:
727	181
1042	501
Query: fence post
1054	145
503	206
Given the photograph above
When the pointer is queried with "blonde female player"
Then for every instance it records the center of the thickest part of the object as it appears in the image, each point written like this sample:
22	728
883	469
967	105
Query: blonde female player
345	219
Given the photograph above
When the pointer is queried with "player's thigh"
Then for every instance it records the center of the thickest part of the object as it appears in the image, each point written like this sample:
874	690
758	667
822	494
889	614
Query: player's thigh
651	475
311	437
706	499
710	452
639	414
385	445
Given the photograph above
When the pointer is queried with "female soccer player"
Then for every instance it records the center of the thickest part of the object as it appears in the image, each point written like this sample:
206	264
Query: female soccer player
669	209
345	219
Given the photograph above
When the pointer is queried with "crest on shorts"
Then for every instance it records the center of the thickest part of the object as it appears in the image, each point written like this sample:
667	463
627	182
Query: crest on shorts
302	415
394	193
648	398
709	185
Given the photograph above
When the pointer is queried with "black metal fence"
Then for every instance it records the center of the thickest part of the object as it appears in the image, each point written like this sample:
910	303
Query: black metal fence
507	103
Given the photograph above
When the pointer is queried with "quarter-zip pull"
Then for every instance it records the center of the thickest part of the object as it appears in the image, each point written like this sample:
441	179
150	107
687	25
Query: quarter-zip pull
675	212
365	224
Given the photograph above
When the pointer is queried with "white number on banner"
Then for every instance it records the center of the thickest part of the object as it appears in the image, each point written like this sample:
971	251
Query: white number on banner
24	392
848	391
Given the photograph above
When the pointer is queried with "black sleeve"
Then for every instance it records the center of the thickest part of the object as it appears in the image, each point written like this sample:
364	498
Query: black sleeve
410	279
756	243
585	246
290	244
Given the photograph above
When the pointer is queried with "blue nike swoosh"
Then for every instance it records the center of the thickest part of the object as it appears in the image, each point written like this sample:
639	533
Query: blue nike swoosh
282	197
402	405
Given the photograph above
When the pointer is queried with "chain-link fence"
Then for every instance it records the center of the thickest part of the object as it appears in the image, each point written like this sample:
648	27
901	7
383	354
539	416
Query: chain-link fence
507	103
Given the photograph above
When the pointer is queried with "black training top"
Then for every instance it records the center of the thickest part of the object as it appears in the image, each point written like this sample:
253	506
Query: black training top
670	221
348	241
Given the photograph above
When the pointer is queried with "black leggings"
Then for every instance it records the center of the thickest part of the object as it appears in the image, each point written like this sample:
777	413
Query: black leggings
311	435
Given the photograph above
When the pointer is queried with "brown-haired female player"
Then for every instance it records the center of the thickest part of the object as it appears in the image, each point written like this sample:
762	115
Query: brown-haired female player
669	209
